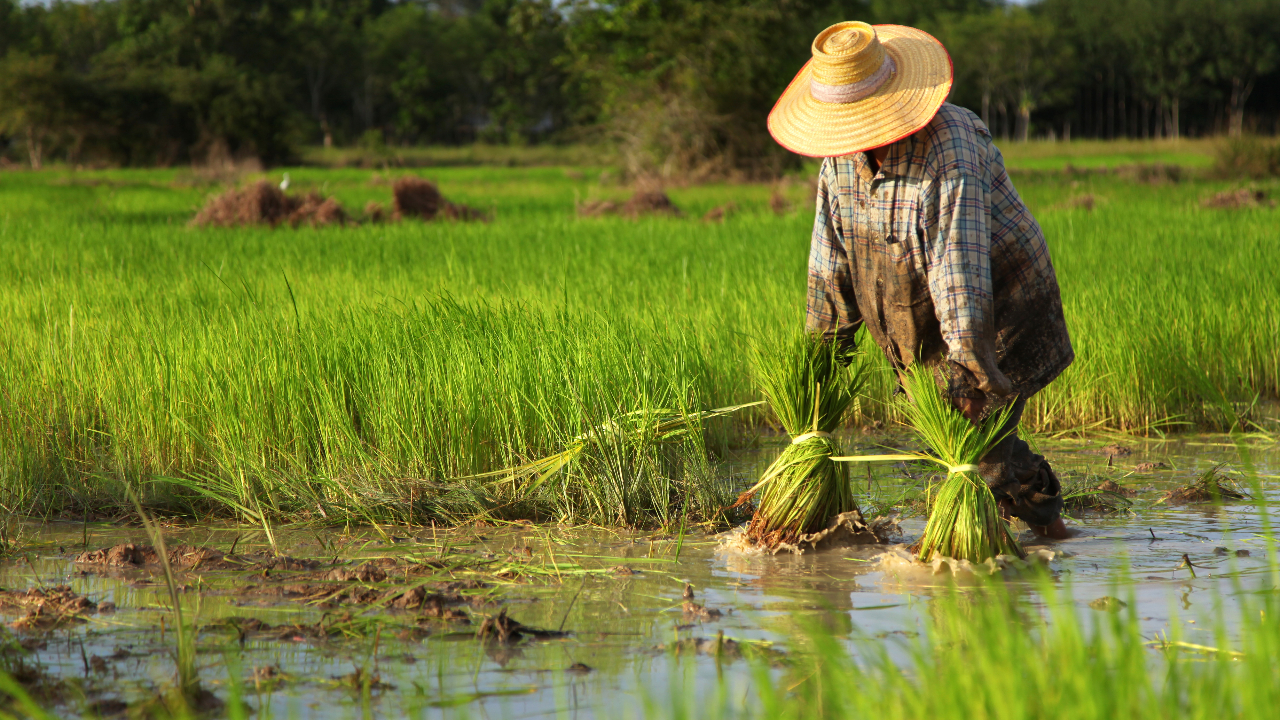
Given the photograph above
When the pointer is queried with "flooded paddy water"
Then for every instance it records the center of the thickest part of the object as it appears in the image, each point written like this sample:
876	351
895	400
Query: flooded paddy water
529	621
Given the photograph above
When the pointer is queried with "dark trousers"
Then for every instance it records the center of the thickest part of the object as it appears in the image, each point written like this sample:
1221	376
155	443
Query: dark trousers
1022	478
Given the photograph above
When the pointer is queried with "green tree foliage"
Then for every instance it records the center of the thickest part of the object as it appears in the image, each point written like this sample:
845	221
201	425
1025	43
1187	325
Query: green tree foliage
31	103
681	86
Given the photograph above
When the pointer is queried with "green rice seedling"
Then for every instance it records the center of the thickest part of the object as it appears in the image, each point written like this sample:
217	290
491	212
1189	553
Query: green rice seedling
810	392
964	519
188	693
631	431
349	375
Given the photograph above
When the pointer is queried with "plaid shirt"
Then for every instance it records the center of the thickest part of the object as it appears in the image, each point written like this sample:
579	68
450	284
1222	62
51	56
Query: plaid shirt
937	255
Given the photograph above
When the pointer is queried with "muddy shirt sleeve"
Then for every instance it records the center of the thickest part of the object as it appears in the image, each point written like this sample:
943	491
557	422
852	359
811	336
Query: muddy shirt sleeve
832	309
958	246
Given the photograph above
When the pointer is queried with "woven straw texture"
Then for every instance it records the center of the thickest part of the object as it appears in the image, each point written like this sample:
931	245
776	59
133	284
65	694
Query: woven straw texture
852	52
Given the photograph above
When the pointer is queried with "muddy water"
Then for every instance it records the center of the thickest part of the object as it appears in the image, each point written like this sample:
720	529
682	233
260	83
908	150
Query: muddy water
617	595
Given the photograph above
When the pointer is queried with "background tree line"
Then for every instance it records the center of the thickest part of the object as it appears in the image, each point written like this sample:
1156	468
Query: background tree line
673	84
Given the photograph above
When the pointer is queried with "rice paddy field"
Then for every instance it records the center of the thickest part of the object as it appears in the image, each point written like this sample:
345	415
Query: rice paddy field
319	419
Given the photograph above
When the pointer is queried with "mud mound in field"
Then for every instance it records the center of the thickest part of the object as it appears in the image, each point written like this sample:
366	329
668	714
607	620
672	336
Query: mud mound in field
720	213
644	202
1214	486
48	608
187	557
417	198
316	210
263	203
1238	199
649	202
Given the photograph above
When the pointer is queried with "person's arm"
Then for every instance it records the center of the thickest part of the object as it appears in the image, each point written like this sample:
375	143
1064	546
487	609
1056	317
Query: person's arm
959	274
832	310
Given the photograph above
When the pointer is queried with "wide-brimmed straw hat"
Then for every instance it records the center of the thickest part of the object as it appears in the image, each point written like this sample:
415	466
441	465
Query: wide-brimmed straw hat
866	86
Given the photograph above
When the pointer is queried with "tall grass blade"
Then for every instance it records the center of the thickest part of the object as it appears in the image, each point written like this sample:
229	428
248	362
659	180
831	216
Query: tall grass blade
185	649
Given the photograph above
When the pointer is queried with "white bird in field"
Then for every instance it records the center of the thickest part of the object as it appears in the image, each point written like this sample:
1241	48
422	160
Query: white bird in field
284	184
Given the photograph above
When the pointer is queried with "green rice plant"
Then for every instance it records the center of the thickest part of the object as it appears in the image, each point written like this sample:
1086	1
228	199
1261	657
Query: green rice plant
810	392
964	519
630	434
188	691
351	374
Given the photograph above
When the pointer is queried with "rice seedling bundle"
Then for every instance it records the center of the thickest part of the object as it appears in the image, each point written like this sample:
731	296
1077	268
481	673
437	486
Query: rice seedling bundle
810	392
964	519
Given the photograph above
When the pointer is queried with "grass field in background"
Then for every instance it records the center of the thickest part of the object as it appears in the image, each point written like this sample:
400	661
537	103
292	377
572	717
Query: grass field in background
1043	155
1032	155
351	373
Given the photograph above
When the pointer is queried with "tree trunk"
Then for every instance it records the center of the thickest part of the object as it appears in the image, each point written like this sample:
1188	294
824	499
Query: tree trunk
1240	90
35	148
986	106
1099	109
1174	122
1024	121
1123	110
1111	103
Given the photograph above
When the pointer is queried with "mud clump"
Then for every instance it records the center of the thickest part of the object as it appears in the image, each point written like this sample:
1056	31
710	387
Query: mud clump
263	203
503	629
1152	174
259	204
46	608
316	210
845	530
692	611
1112	450
649	202
1115	488
374	212
1238	200
414	197
1149	467
187	557
130	555
366	573
720	212
644	202
1211	487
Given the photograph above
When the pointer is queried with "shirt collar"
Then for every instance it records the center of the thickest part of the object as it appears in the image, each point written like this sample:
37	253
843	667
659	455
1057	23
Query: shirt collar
895	164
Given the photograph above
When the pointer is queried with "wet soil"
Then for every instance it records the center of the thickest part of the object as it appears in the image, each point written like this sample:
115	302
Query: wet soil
519	621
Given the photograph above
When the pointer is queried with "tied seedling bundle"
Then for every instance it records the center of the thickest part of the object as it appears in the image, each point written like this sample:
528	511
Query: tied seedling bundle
964	519
810	392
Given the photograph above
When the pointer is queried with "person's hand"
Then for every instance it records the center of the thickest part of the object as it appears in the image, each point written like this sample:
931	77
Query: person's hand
1056	530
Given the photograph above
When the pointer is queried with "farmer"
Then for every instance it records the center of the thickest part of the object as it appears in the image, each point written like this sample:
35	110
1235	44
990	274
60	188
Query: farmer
921	237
